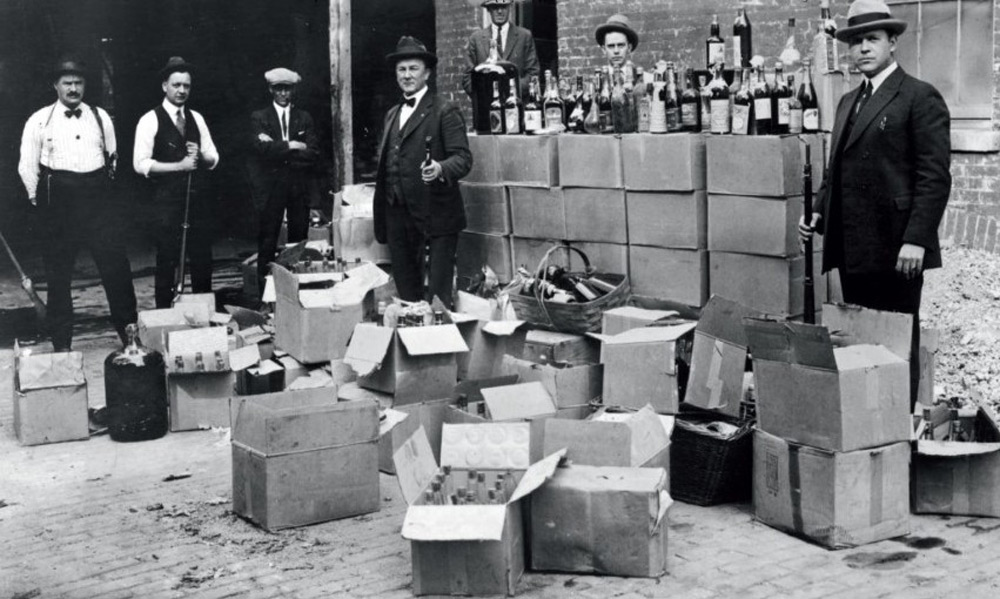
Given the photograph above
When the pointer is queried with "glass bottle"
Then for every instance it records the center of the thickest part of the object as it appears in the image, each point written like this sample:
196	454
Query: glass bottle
743	106
592	122
135	391
810	103
715	46
604	103
790	56
672	101
826	51
762	118
566	95
513	111
553	106
496	112
794	109
619	110
643	103
705	94
658	104
533	120
577	113
742	42
690	104
780	106
719	101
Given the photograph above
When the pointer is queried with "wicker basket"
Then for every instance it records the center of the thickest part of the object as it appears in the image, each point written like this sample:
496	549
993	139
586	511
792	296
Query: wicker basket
577	318
706	470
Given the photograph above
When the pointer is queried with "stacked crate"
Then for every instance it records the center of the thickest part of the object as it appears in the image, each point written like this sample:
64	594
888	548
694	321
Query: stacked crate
486	239
755	200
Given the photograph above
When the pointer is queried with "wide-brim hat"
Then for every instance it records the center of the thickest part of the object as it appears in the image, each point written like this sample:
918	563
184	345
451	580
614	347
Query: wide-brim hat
411	47
869	15
176	64
620	24
68	65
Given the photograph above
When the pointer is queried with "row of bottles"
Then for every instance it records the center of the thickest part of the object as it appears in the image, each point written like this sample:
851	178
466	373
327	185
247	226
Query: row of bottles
470	488
960	426
327	264
558	285
402	315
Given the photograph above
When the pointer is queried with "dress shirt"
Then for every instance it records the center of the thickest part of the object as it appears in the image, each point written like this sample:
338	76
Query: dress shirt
284	110
503	35
145	134
56	141
406	111
877	80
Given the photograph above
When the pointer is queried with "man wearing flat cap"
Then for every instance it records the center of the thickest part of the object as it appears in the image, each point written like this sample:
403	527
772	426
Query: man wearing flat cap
174	149
68	155
285	151
424	152
514	44
617	39
889	180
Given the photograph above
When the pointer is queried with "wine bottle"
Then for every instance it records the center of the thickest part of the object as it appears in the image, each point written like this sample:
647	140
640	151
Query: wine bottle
577	113
496	111
705	94
672	101
781	95
658	105
513	111
604	103
715	46
592	122
720	101
643	105
826	51
742	44
553	106
794	109
533	120
762	118
566	95
619	109
743	106
790	56
690	104
810	103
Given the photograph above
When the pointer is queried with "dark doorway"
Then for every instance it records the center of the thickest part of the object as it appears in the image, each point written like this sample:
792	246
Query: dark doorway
539	17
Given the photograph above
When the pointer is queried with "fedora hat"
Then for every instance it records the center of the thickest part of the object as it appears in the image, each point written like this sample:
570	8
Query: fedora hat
411	47
869	15
176	64
68	65
489	3
620	24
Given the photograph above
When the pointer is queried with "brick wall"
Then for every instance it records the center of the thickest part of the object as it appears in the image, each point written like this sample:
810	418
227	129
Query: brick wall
455	21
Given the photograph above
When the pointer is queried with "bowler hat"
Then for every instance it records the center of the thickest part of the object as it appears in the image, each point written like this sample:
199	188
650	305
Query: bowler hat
176	64
869	15
411	47
68	65
620	24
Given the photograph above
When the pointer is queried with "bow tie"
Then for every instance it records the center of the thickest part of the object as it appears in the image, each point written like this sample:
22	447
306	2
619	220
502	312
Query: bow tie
411	102
74	112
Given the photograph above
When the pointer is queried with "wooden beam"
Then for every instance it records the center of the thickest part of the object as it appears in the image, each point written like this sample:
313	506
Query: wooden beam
340	91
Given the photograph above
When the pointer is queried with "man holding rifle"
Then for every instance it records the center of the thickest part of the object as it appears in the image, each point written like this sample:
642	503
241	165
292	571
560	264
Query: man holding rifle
172	148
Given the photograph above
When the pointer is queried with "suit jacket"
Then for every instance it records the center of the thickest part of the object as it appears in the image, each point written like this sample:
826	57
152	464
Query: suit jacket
894	177
437	208
272	162
518	49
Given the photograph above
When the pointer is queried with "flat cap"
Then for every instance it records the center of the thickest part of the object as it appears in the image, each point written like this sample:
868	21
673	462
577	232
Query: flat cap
282	76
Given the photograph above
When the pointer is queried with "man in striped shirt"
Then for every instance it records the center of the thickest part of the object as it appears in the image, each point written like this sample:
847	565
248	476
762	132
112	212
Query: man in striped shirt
67	151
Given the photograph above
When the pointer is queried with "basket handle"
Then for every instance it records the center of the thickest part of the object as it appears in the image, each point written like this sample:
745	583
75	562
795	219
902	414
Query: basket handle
540	272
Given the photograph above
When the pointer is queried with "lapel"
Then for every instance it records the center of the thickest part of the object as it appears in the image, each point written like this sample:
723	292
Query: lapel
273	123
509	44
883	95
843	113
419	114
389	118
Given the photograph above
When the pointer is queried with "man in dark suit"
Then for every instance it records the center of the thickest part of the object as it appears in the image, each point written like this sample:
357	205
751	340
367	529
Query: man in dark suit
514	44
285	150
424	152
889	177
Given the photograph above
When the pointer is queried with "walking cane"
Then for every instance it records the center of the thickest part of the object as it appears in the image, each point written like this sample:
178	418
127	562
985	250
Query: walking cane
26	283
184	236
808	295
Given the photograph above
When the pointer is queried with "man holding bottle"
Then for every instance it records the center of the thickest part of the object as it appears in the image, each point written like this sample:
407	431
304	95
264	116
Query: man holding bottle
514	44
889	179
424	152
618	40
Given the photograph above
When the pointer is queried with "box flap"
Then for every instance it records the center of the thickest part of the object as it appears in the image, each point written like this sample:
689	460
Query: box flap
244	357
286	284
190	314
864	356
460	318
220	319
792	342
502	328
184	346
723	319
856	325
641	313
516	402
665	501
388	419
368	347
314	380
206	299
651	334
487	445
536	475
477	307
415	465
360	280
44	371
432	340
270	295
316	298
269	366
954	449
454	522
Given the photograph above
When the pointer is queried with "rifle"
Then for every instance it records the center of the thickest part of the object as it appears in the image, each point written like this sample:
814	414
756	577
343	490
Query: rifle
808	295
26	283
184	236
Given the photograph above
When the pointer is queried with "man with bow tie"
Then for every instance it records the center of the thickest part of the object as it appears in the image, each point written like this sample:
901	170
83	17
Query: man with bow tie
418	206
68	155
515	44
173	149
280	169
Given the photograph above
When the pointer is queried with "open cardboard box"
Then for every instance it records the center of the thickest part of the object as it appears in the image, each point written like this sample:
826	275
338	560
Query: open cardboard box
718	357
545	347
489	341
50	399
618	320
154	324
638	439
640	367
568	384
198	389
469	549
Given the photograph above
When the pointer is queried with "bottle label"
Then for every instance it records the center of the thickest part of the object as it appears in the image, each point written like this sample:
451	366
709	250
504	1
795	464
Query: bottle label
737	51
810	119
673	119
706	114
496	121
553	117
657	118
644	116
532	120
689	115
795	120
762	109
784	109
716	52
513	120
741	119
720	115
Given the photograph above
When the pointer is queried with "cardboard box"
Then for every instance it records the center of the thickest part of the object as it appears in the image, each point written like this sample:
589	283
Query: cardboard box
596	215
638	439
548	347
487	208
50	399
476	250
522	401
718	357
568	384
603	257
755	225
761	165
354	238
928	365
677	275
468	549
196	351
402	421
529	252
836	499
529	160
624	318
301	457
200	401
765	283
679	160
838	399
207	299
601	520
413	364
538	213
267	377
640	367
153	324
485	159
856	324
957	478
668	219
590	161
488	342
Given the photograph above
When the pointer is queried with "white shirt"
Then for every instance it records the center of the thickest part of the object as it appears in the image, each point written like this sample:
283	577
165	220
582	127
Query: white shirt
145	134
879	79
503	35
283	110
59	142
406	111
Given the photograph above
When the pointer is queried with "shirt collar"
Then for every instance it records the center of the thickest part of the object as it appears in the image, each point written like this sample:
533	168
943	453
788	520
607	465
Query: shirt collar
171	108
879	79
419	96
280	108
503	30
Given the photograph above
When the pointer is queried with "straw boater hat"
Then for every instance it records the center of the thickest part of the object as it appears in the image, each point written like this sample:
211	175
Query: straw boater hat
176	64
411	47
869	15
68	66
282	76
620	24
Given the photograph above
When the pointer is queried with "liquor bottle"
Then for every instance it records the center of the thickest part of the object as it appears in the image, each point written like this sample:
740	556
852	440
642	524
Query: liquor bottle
780	107
672	101
742	43
826	52
553	106
499	490
705	94
928	433
481	485
810	103
715	46
496	111
658	105
566	95
790	56
533	120
794	109
762	117
632	108
513	111
735	87
720	101
743	106
462	495
604	103
493	70
592	122
690	104
447	484
619	109
643	103
577	113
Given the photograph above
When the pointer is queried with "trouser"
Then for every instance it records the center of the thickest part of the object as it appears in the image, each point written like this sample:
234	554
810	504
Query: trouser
75	213
414	254
890	292
284	196
167	232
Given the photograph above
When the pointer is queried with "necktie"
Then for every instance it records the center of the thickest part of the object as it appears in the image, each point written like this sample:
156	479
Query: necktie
865	95
500	40
284	126
411	102
181	123
73	112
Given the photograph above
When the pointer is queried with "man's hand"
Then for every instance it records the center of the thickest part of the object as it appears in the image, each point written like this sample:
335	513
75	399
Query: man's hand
316	214
297	145
189	163
264	137
910	262
806	231
431	172
192	148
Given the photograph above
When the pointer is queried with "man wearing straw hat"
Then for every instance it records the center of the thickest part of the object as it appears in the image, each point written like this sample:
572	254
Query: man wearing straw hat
173	147
889	179
617	39
514	44
418	206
